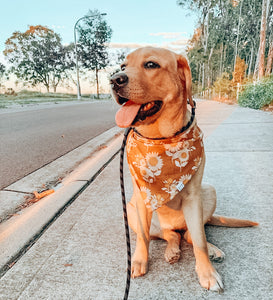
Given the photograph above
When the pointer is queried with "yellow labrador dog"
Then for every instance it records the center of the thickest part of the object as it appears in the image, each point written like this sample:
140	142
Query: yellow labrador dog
166	160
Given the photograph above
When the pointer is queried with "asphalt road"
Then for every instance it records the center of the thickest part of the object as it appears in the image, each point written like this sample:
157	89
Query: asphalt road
32	138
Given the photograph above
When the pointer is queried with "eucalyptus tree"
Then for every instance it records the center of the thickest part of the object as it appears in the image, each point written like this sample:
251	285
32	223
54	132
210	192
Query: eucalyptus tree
37	56
226	29
2	73
92	44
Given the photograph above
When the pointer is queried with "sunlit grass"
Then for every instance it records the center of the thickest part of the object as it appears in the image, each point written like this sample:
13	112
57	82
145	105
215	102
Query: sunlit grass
31	97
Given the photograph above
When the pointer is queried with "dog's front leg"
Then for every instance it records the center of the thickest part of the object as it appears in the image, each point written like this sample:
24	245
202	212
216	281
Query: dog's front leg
140	257
193	212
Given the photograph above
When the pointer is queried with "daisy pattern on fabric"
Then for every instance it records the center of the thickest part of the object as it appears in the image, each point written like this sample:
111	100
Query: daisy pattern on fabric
156	202
197	133
130	144
185	178
154	162
146	195
172	148
150	166
197	162
170	187
181	158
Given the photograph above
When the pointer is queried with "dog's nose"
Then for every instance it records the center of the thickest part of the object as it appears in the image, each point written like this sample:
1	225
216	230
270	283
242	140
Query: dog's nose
119	80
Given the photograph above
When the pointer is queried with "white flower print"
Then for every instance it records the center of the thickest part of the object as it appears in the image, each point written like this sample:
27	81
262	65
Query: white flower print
170	187
181	158
197	162
130	144
145	194
197	133
150	166
154	161
156	202
172	148
185	178
147	174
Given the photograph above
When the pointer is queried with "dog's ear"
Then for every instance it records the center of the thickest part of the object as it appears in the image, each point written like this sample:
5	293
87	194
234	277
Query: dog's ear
184	71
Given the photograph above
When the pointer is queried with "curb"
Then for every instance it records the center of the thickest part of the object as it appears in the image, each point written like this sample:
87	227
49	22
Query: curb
18	233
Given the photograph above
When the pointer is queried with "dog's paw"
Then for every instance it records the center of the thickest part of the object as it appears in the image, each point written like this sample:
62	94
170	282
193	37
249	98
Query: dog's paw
139	268
210	280
172	254
215	254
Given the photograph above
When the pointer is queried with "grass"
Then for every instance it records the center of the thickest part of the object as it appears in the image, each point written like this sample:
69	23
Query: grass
31	97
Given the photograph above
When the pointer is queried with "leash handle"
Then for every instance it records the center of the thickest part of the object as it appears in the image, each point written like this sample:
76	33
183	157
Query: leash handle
126	224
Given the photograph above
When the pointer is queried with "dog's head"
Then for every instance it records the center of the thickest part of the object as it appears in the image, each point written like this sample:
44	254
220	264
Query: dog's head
152	83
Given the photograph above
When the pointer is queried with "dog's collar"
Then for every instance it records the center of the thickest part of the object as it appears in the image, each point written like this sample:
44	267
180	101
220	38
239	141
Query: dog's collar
184	128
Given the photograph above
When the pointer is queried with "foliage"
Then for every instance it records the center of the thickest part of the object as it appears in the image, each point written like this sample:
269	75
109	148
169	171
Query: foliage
239	71
222	86
2	70
2	73
226	29
94	34
38	56
257	95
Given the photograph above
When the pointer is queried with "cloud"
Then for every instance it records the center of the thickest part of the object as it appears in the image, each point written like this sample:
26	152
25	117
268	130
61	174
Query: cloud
180	42
178	46
130	45
169	35
58	26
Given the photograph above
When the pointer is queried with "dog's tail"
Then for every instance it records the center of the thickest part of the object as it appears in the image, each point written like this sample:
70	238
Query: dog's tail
230	222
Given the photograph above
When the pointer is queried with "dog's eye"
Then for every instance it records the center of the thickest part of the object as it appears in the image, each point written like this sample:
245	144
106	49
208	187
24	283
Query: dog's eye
151	65
122	67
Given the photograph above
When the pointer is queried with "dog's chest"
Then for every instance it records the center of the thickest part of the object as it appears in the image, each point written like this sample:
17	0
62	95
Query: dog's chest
161	167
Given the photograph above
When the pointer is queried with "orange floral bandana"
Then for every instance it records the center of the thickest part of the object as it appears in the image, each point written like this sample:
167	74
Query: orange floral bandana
161	167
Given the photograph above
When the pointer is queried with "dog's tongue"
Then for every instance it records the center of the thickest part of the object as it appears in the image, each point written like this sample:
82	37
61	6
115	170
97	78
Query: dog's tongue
127	113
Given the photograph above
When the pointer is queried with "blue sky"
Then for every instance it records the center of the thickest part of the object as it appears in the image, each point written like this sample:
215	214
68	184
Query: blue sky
157	22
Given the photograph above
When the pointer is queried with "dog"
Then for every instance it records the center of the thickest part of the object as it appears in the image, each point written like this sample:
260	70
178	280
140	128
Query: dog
154	89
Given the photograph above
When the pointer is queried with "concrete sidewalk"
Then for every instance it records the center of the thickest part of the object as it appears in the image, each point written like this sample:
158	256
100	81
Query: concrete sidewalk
82	255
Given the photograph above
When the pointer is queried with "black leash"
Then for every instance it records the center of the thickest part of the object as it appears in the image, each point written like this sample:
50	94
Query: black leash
125	215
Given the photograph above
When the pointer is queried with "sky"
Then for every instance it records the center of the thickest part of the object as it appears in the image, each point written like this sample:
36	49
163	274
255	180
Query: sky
134	22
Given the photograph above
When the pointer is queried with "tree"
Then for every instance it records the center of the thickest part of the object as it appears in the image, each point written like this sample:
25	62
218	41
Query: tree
261	52
239	71
94	34
269	59
226	29
222	86
2	73
38	56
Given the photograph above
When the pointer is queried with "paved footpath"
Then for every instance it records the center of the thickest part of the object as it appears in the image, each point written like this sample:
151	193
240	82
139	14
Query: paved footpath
82	255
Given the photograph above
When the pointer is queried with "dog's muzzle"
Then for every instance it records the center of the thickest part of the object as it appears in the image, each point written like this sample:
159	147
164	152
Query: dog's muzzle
119	80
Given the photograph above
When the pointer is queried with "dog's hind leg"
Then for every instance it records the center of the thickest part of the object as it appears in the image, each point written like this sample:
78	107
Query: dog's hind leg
172	252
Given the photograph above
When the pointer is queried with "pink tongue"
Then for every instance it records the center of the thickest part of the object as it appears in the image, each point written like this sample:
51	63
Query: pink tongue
127	113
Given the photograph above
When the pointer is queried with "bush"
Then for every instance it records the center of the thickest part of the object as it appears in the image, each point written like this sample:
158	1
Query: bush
257	95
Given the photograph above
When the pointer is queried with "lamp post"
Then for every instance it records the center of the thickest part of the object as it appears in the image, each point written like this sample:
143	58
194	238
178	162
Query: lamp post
75	43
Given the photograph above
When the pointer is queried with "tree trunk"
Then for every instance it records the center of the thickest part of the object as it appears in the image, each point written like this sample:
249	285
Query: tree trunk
262	40
199	76
221	60
250	62
97	81
269	60
238	33
203	77
209	75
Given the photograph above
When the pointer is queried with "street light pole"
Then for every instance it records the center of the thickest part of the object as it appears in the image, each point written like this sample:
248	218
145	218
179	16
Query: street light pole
76	53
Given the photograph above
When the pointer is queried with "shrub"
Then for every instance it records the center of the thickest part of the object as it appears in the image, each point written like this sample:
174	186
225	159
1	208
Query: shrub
257	95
